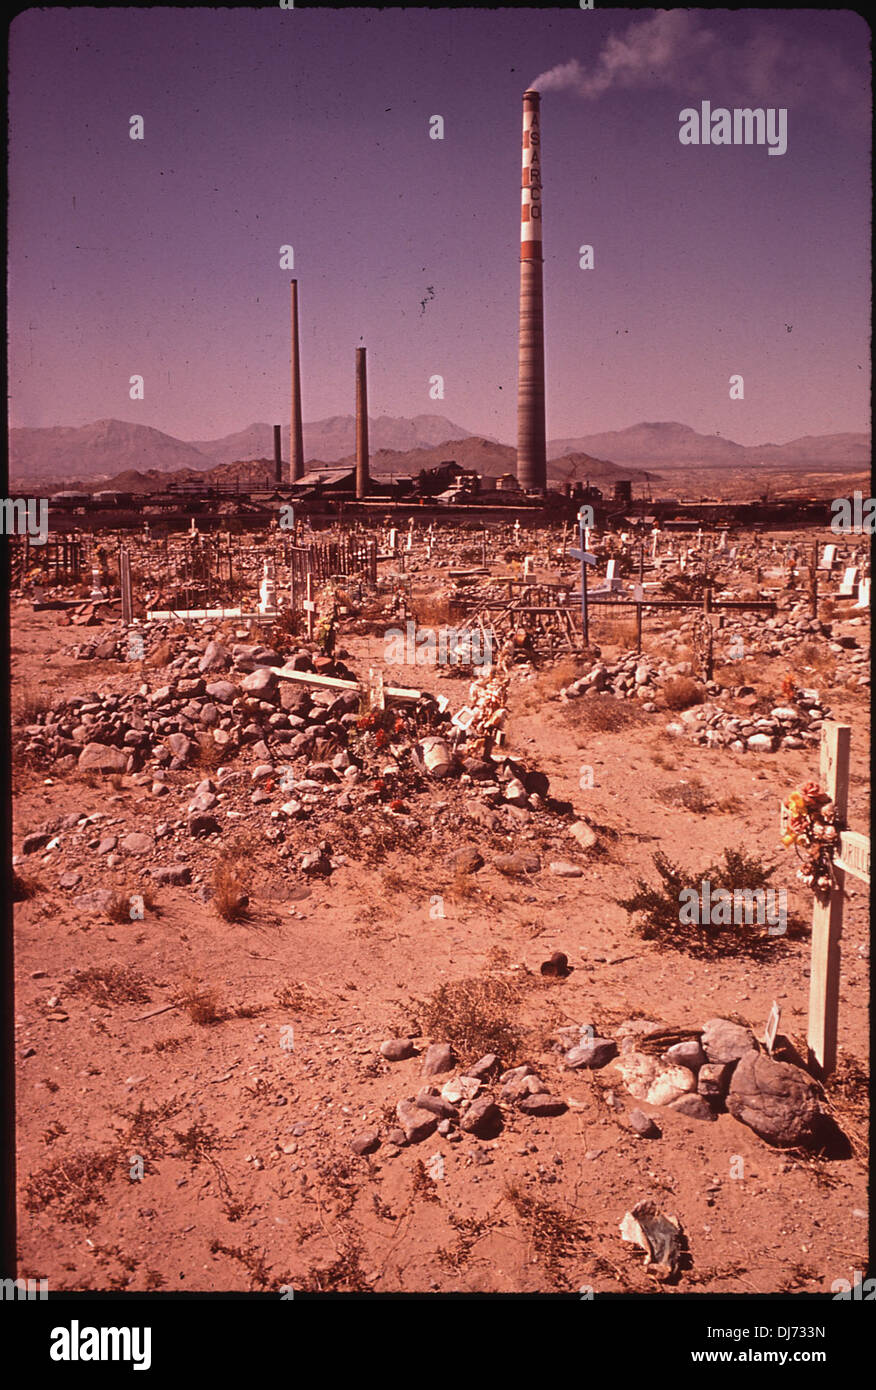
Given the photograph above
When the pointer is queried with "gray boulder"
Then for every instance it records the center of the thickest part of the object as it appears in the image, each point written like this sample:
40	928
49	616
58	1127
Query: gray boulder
780	1102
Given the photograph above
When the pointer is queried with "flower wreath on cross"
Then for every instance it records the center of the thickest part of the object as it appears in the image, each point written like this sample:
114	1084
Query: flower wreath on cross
809	824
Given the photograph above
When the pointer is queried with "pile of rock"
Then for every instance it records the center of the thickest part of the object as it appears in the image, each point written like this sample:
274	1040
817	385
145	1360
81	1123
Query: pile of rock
634	676
796	724
474	1102
720	1068
717	1069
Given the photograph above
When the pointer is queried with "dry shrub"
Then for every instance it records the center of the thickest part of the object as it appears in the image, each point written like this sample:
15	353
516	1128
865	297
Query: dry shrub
554	1234
602	713
73	1186
659	908
815	656
110	984
208	754
475	1016
229	897
462	886
29	701
201	1005
122	904
681	693
687	796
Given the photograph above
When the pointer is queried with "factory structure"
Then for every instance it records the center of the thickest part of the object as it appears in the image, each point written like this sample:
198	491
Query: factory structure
325	487
531	429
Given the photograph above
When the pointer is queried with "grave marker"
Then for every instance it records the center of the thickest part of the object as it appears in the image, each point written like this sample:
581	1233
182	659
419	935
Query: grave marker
853	857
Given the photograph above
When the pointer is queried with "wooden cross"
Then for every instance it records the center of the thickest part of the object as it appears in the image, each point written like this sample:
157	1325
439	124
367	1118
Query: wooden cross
309	604
852	857
586	559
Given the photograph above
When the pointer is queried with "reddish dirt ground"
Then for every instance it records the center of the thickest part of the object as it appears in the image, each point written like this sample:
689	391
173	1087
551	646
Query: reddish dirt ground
249	1181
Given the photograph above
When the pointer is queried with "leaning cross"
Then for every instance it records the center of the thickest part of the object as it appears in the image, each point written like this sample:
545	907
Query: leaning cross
582	554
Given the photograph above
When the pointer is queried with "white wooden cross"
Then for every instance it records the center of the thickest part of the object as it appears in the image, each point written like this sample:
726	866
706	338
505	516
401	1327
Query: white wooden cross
309	604
852	857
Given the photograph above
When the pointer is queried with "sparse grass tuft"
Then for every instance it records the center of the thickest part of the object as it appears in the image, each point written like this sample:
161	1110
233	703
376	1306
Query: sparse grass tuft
681	693
554	1235
229	897
30	699
122	907
110	984
475	1016
601	713
201	1005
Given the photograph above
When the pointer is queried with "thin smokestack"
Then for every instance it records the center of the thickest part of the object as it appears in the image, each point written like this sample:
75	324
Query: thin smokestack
531	449
296	438
361	425
278	455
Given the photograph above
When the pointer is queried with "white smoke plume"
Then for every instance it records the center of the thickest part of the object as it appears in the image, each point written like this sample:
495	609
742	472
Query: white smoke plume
678	50
652	52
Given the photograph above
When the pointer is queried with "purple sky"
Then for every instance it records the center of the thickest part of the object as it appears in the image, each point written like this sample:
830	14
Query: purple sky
267	127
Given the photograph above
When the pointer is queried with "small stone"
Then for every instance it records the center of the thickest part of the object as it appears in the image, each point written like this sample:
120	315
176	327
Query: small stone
643	1125
438	1058
417	1123
593	1053
173	874
34	842
581	832
138	844
397	1049
365	1142
483	1118
513	865
724	1041
563	868
427	1100
686	1054
693	1106
541	1104
201	824
466	860
100	757
485	1067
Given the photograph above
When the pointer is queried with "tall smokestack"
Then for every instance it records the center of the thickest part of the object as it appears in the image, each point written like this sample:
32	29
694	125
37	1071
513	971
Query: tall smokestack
278	455
361	425
296	439
531	449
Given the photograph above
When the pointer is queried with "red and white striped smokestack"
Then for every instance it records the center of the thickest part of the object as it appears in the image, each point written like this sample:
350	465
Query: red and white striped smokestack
296	439
531	447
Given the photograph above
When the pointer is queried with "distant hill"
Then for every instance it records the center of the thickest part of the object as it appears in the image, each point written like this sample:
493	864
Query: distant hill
668	444
334	439
99	450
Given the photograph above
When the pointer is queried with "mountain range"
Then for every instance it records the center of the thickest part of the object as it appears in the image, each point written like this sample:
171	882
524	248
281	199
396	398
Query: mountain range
103	450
